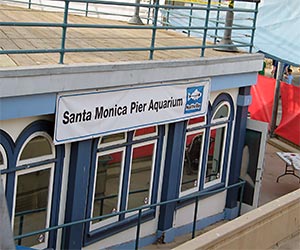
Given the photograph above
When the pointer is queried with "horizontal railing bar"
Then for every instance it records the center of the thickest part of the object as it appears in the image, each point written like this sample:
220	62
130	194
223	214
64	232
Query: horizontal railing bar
38	51
145	5
199	194
105	26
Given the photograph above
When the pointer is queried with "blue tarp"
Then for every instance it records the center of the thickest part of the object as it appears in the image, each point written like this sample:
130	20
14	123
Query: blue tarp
278	30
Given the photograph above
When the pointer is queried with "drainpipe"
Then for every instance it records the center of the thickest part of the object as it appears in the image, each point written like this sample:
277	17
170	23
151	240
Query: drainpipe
226	40
135	19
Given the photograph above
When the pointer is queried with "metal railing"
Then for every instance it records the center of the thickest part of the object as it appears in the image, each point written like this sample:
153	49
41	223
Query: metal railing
196	197
198	20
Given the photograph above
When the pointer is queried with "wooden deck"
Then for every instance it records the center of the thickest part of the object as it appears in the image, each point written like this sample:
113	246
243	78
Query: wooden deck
14	38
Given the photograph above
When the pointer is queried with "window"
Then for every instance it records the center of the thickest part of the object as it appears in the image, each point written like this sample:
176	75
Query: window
33	190
205	144
217	140
215	155
192	161
124	174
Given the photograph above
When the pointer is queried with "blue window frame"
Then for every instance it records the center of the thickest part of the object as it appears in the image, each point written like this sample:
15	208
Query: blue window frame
124	175
33	181
207	139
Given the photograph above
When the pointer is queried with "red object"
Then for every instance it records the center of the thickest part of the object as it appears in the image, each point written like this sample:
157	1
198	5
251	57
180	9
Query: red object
289	127
262	99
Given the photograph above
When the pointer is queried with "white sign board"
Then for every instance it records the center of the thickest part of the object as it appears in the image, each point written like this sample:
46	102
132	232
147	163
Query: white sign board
81	116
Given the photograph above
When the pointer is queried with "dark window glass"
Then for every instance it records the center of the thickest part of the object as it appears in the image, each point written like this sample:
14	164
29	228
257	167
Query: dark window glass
31	206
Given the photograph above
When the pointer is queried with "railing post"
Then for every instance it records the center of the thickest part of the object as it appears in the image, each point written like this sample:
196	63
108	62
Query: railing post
190	19
20	229
254	25
205	29
64	32
241	197
138	229
195	217
135	19
154	24
86	9
217	23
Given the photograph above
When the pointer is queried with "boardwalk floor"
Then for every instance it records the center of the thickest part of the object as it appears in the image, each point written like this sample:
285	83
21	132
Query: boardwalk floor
32	38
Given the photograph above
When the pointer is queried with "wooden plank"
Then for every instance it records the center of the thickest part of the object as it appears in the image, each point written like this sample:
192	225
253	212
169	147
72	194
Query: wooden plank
49	37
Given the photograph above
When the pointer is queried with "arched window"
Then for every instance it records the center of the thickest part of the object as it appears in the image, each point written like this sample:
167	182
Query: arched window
33	189
206	138
217	139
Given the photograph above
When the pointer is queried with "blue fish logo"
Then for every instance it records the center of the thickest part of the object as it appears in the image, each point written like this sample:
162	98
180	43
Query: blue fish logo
194	98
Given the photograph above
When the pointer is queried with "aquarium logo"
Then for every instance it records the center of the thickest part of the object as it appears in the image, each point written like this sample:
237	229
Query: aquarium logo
194	96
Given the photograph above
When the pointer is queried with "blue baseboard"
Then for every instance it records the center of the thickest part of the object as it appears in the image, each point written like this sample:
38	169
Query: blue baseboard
169	235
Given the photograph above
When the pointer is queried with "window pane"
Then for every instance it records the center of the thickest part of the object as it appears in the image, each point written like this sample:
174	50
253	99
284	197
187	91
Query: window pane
113	138
145	131
139	187
36	147
31	206
222	112
213	170
107	184
191	161
196	120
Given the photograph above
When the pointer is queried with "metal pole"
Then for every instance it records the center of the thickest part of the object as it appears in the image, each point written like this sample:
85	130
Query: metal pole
217	23
135	19
86	9
190	19
205	29
154	24
195	217
276	98
6	237
64	33
138	229
226	40
253	30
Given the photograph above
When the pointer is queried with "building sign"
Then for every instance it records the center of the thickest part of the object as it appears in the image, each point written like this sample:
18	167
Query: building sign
81	116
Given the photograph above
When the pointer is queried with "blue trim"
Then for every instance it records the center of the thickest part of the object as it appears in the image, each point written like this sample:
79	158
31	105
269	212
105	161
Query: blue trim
126	175
219	100
172	174
145	241
8	145
206	148
166	236
158	165
231	213
77	193
237	149
244	100
29	105
225	82
203	223
47	127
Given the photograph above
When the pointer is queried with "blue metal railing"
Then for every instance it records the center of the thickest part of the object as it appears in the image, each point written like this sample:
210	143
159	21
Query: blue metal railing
157	17
196	197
